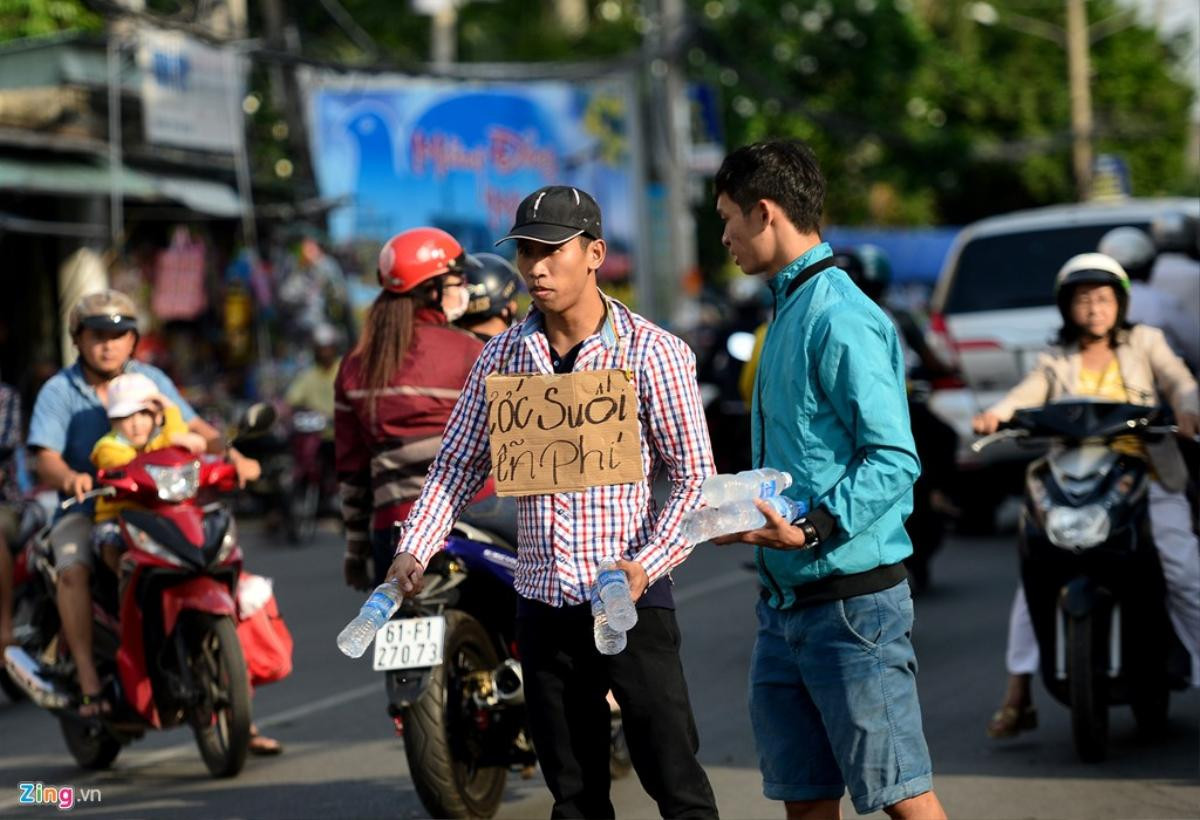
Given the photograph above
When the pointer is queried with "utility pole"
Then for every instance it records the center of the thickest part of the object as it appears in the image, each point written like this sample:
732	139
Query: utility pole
443	33
1079	70
669	107
285	91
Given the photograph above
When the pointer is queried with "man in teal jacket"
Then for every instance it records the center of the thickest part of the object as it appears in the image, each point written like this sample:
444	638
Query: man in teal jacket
833	690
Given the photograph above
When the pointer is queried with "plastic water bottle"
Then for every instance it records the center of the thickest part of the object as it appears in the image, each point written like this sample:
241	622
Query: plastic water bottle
375	612
710	522
743	486
609	641
699	525
612	589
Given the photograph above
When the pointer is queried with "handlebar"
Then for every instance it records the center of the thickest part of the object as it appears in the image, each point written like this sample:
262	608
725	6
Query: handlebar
1018	432
999	435
88	496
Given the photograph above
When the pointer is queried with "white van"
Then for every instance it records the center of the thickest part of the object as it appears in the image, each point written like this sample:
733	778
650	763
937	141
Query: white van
993	311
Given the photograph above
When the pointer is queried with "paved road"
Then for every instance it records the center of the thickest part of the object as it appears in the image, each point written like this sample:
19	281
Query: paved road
343	759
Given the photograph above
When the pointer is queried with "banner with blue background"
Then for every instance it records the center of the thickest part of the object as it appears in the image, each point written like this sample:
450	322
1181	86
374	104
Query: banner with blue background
409	151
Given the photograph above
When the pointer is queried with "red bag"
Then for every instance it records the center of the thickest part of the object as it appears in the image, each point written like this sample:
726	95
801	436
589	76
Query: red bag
266	643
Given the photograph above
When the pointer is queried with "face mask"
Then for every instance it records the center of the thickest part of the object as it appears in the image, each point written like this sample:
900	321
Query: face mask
454	303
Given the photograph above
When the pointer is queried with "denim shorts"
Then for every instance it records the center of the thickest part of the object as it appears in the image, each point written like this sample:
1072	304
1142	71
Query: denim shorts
833	701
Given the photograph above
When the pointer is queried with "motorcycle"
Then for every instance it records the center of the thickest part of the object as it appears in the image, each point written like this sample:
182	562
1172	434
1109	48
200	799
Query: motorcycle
454	682
314	482
1090	569
33	519
275	489
164	631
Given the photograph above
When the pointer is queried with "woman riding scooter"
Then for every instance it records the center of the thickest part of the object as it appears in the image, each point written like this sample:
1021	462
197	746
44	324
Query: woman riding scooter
1100	355
395	390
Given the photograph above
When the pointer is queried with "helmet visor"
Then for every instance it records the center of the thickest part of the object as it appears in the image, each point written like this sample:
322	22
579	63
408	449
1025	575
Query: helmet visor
113	323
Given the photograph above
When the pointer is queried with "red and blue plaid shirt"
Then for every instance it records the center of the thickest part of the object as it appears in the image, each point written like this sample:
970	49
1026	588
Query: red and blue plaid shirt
563	537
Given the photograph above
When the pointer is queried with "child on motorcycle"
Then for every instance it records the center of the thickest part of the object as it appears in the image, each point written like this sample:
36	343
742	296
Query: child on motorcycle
142	420
1100	355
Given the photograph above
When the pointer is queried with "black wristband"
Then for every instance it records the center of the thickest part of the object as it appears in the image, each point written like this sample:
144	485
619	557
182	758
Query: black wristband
811	536
824	522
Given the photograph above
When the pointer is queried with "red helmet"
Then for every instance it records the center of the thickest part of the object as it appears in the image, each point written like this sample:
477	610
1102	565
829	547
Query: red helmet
417	255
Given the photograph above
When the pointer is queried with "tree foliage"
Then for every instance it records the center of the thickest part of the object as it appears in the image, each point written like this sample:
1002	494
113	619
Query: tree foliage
920	114
37	18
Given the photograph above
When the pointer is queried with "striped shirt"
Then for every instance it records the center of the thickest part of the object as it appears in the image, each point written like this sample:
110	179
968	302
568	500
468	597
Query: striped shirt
563	537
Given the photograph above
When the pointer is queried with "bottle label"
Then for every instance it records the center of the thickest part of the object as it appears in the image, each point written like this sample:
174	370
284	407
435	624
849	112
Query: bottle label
767	489
611	576
380	604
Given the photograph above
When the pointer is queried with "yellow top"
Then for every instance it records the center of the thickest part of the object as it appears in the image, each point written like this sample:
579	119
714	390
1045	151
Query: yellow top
313	390
114	451
1108	384
750	368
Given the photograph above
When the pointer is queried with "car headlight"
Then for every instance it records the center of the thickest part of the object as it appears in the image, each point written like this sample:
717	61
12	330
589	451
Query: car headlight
147	544
228	542
177	483
1077	527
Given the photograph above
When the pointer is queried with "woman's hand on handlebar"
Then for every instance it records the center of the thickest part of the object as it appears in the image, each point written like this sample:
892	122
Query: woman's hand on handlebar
77	484
985	423
407	571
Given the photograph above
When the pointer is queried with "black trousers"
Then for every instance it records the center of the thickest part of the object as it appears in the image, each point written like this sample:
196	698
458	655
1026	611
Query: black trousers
566	682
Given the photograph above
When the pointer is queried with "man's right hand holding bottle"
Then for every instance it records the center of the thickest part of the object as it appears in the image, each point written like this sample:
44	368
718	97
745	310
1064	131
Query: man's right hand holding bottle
407	571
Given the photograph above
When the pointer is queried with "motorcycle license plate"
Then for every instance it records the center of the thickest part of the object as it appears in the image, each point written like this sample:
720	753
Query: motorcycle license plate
410	643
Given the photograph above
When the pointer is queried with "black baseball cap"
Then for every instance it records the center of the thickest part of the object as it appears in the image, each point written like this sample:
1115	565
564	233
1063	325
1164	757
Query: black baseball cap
555	214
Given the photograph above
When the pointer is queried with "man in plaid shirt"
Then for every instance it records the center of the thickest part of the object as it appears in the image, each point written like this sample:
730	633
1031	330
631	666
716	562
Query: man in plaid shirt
564	536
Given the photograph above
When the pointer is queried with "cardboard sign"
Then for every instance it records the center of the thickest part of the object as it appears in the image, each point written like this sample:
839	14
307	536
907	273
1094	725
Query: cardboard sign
563	433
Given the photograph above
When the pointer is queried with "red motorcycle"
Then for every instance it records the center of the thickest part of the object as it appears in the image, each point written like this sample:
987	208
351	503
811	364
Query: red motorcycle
314	479
164	631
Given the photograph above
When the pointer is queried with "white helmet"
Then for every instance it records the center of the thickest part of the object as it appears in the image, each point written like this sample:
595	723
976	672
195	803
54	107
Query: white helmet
1091	269
1132	248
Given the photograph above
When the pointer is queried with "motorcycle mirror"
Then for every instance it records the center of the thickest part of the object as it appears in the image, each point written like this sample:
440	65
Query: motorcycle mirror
740	345
258	419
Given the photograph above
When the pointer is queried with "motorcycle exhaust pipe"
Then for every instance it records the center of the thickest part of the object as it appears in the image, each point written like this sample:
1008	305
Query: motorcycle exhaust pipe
509	682
26	673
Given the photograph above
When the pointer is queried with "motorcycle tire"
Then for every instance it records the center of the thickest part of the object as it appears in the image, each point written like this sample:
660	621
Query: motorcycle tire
1087	685
305	501
221	722
447	785
91	746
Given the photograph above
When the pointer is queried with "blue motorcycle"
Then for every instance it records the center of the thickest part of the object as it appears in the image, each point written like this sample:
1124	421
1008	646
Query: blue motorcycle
454	683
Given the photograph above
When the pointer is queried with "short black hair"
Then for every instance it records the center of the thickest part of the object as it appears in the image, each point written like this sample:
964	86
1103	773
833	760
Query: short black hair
783	171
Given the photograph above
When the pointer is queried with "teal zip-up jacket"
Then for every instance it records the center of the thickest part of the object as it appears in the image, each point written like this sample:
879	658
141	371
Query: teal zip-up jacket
830	408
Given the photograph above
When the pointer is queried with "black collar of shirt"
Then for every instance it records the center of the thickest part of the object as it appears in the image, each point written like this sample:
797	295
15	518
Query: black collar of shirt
566	362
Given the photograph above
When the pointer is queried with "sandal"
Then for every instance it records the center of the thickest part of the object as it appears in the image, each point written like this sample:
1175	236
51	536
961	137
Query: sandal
94	706
1009	721
262	745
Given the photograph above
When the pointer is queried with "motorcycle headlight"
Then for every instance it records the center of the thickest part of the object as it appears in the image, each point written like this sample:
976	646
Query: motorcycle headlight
1077	527
228	542
147	544
177	483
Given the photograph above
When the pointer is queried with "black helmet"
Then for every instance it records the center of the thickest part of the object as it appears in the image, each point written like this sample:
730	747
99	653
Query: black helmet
867	266
491	285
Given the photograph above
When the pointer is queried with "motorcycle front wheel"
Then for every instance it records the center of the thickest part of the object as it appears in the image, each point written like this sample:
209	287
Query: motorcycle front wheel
1087	684
89	743
305	503
221	718
449	782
